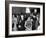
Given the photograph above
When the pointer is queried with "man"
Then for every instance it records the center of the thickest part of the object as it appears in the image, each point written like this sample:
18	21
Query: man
20	25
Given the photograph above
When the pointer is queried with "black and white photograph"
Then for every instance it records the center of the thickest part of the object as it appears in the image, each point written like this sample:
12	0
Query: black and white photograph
25	19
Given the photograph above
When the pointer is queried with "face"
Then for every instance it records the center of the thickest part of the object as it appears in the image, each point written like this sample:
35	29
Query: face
35	10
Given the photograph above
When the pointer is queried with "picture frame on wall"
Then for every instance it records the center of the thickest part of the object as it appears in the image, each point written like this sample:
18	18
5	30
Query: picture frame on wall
24	18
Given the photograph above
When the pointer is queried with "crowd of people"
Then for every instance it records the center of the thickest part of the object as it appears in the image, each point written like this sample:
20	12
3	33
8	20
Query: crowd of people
27	21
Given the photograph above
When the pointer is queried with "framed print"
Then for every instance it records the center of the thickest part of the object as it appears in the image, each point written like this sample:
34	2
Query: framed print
24	18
